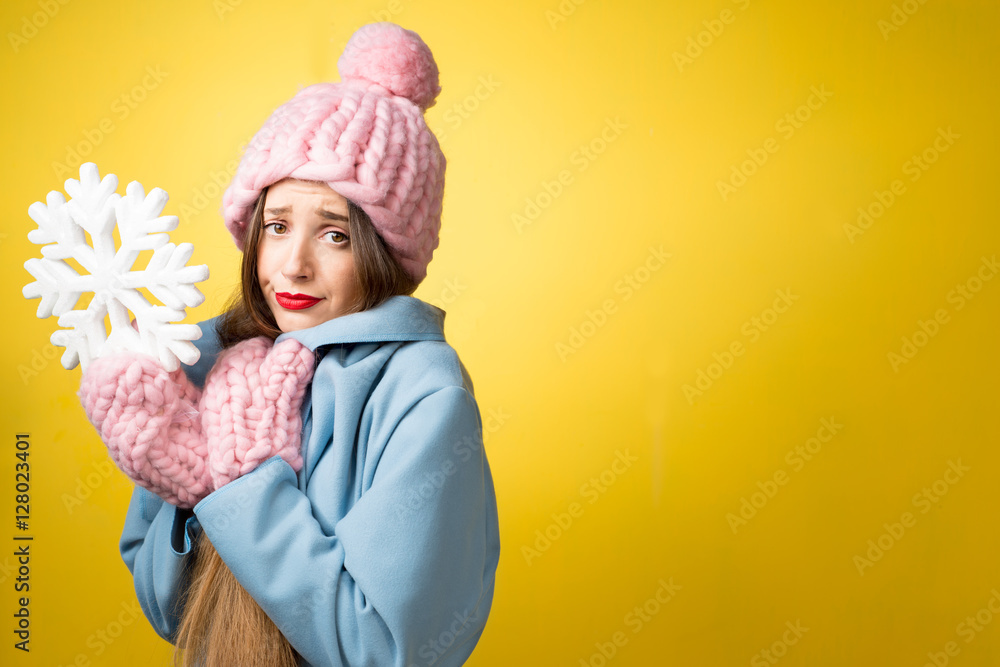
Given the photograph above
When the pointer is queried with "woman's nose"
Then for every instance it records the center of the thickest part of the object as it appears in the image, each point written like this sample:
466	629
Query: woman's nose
298	263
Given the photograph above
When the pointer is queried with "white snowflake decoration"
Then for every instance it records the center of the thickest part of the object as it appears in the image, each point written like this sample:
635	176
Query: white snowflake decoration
94	208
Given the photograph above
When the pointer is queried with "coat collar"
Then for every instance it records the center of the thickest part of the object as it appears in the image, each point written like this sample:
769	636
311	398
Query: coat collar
398	318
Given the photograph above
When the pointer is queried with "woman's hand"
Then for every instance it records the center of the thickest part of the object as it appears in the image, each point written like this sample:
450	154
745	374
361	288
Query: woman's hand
251	406
147	419
182	443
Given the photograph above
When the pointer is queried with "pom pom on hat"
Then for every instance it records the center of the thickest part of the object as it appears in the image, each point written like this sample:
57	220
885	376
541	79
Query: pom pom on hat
394	58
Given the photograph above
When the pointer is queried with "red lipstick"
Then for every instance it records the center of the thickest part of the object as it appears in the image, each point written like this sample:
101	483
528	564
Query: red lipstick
295	301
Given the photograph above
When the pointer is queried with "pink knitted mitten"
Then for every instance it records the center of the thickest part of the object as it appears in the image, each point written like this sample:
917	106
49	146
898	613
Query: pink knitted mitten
248	412
250	408
146	418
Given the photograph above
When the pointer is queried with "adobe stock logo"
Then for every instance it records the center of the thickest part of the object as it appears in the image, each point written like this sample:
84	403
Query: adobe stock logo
565	9
696	44
928	329
967	630
636	619
592	490
461	111
898	17
796	457
787	126
915	167
121	107
923	500
626	286
39	361
752	329
581	158
30	27
778	649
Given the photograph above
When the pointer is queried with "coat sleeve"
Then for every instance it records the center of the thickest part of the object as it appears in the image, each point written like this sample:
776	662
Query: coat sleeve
156	545
157	537
406	577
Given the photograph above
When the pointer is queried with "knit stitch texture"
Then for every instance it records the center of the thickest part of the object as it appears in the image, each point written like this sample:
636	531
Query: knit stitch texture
182	443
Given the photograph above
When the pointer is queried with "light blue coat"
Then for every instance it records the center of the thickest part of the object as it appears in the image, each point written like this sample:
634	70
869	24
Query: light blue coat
383	549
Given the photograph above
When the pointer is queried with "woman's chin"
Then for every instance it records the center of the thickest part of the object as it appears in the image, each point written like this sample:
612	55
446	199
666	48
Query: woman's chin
292	321
295	320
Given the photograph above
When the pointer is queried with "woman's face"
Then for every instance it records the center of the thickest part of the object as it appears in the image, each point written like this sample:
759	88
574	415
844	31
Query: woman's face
305	264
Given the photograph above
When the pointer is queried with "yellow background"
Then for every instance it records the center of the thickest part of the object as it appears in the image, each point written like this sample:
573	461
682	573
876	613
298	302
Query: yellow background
517	292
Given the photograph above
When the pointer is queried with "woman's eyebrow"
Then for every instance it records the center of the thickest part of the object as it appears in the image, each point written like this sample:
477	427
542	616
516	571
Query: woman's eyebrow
329	215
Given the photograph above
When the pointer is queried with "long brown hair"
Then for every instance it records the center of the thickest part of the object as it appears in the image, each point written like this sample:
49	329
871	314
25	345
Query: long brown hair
222	625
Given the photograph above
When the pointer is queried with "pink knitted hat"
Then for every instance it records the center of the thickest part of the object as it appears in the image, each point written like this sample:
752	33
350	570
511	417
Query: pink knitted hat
365	137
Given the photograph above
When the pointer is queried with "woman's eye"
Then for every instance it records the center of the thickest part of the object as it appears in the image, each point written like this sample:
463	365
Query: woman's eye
275	227
337	237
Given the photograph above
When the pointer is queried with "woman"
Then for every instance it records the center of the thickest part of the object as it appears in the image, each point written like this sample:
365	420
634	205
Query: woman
376	542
